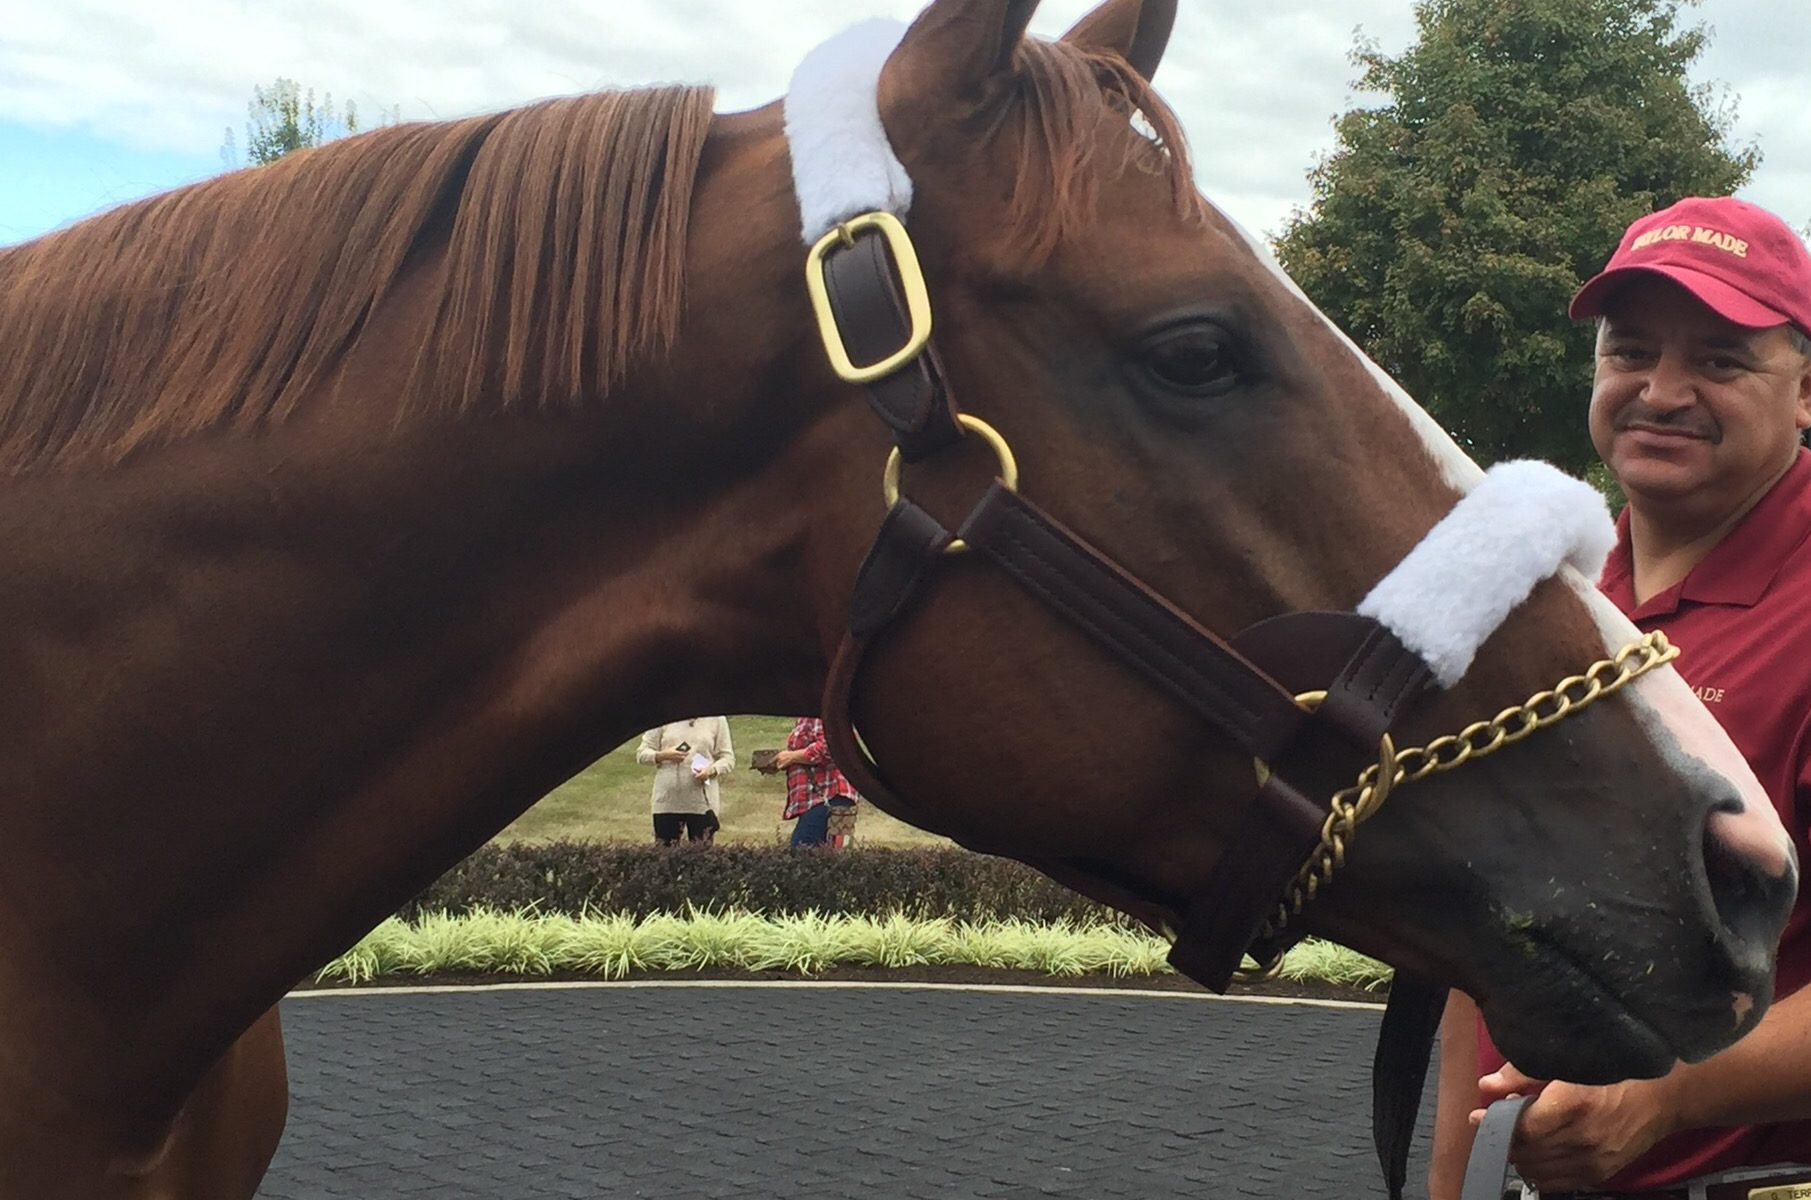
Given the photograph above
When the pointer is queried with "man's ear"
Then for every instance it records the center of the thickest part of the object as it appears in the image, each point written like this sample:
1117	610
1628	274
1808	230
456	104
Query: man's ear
1802	414
1136	30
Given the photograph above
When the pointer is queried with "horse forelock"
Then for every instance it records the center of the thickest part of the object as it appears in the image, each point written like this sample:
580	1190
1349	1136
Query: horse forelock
1060	93
220	305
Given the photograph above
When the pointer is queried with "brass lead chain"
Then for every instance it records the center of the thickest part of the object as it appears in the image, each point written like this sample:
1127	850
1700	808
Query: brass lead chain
1352	806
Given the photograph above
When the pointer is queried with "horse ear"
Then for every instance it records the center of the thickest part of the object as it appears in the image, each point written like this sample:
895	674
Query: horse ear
1136	30
956	47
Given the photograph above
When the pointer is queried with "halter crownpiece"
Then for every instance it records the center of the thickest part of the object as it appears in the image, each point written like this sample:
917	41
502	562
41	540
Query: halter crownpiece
842	163
1513	530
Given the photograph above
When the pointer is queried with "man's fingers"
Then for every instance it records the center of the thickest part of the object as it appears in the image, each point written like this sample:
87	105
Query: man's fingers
1551	1119
1507	1082
1516	1079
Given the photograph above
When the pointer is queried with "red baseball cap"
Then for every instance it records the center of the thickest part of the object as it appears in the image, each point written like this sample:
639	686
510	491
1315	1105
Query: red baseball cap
1743	262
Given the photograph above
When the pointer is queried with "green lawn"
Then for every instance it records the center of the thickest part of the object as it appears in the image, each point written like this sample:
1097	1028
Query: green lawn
608	800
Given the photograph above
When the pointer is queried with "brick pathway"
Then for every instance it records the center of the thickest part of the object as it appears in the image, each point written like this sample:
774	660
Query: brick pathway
876	1094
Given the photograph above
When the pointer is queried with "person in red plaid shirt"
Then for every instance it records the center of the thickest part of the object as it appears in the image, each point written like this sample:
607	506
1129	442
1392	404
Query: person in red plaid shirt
813	784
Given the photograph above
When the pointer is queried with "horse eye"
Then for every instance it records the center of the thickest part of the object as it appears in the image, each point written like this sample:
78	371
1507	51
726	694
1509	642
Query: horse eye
1195	361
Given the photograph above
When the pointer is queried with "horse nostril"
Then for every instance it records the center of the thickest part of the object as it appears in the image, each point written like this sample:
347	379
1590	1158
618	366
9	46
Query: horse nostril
1750	898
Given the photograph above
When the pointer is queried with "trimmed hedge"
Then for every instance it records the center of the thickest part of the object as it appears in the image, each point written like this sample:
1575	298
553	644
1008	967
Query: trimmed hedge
576	877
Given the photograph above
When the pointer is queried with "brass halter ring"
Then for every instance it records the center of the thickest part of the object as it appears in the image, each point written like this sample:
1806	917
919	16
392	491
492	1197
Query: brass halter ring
1008	476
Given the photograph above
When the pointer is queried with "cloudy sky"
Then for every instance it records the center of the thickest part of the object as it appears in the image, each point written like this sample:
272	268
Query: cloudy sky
102	101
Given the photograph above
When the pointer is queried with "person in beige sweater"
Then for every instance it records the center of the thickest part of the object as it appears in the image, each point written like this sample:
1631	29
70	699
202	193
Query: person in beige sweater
688	758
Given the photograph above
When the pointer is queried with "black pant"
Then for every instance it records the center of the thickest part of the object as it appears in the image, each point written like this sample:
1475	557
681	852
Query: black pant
698	827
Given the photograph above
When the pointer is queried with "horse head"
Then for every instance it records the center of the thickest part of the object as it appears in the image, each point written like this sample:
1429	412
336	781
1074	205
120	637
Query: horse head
1610	887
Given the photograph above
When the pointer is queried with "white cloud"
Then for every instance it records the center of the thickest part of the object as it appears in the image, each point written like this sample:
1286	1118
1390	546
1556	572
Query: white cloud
1257	82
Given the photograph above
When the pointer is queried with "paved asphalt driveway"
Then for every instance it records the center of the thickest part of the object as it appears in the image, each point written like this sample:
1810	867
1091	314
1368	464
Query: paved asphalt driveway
804	1091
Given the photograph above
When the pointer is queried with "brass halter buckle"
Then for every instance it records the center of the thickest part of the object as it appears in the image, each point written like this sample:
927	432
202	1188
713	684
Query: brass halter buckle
911	282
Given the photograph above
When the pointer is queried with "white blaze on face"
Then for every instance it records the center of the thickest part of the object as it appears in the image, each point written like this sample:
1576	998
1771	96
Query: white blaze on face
1676	722
1455	465
1681	727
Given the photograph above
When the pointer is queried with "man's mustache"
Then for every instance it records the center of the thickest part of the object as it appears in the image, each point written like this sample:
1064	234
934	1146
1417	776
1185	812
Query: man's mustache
1691	421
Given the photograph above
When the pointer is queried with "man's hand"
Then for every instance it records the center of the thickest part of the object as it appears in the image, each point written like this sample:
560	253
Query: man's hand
790	758
1574	1136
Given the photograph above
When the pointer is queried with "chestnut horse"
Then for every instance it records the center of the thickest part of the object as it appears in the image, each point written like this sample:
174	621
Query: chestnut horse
354	501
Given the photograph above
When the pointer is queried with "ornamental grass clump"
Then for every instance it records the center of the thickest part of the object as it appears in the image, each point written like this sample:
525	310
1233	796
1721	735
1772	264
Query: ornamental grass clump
667	943
608	945
898	941
484	941
1328	963
806	944
1048	949
385	950
722	941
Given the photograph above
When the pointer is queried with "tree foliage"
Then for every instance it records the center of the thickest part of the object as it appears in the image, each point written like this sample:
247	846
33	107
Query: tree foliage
284	118
1451	224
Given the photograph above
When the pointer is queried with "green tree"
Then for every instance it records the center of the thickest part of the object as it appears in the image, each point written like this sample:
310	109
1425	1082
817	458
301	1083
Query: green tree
285	118
1450	225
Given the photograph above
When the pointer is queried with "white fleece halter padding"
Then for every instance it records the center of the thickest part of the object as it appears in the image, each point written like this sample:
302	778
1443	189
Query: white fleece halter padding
842	163
1510	532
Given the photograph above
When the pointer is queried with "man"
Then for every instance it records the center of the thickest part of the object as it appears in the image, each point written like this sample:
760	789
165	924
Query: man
1701	392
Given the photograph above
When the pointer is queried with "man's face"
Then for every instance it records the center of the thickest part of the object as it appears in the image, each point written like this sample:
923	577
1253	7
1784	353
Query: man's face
1687	406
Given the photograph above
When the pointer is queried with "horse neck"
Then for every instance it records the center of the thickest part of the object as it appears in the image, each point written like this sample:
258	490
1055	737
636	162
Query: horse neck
264	690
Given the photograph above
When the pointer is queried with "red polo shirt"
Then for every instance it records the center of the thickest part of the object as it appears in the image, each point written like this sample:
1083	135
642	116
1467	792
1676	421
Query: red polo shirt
1742	622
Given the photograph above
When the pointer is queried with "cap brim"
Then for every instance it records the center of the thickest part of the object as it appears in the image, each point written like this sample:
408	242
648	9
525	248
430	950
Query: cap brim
1721	298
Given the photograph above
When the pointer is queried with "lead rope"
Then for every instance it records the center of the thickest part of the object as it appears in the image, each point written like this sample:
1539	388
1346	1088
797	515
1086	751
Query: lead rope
1405	1044
1488	1171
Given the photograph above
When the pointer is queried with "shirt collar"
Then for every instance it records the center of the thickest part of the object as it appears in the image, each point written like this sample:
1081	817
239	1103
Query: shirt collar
1740	568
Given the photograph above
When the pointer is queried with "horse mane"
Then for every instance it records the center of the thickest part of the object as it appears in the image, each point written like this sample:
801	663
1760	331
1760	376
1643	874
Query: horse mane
219	305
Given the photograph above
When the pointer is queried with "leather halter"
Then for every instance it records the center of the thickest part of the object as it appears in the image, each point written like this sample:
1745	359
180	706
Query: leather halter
868	293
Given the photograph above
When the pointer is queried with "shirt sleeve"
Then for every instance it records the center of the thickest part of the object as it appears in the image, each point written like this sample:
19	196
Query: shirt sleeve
725	758
817	751
650	742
